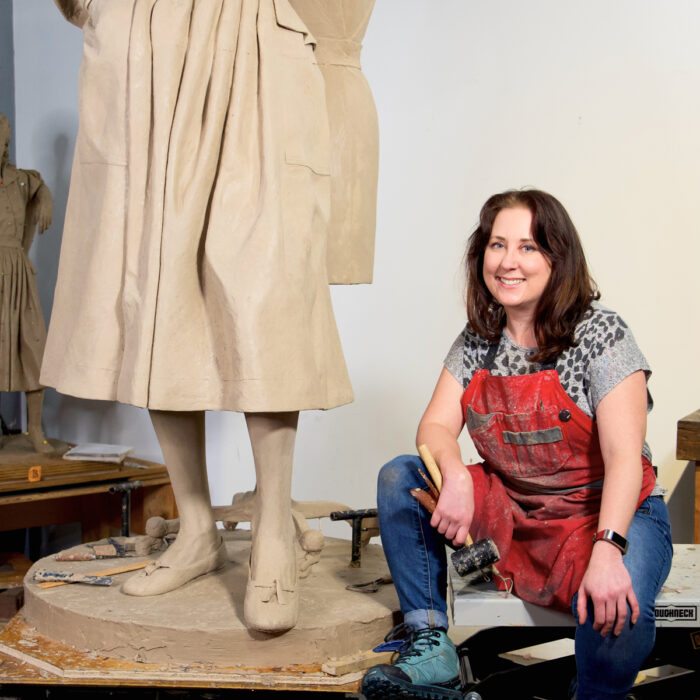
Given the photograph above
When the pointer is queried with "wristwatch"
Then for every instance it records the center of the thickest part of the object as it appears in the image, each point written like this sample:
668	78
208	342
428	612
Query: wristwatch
614	538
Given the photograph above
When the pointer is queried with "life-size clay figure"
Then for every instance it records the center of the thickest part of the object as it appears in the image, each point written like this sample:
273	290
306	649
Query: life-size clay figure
25	203
193	265
339	27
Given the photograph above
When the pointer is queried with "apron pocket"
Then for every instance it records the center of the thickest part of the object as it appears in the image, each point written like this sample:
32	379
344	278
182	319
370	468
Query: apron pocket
520	445
533	437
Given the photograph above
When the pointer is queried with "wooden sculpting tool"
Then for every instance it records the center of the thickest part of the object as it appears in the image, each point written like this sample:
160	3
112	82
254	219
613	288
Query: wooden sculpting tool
104	572
71	577
473	556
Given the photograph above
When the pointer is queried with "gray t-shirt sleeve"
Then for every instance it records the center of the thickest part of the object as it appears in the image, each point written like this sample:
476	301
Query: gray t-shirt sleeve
466	355
613	354
454	362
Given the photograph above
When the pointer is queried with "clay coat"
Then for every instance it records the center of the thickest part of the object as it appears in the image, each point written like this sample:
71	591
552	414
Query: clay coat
193	265
339	27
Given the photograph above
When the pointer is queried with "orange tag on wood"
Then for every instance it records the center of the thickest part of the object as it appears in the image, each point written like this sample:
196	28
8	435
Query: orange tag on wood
34	473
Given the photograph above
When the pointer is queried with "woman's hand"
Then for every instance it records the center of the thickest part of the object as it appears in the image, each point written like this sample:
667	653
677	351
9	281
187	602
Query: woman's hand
455	507
441	424
608	584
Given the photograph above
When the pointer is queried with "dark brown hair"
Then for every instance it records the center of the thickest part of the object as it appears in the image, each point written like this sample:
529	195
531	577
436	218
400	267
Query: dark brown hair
570	289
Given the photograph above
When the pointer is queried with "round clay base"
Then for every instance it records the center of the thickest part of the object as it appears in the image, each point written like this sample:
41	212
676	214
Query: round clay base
202	622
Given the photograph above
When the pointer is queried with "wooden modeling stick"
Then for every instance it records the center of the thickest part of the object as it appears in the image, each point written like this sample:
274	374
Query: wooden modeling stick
436	476
472	557
105	572
431	466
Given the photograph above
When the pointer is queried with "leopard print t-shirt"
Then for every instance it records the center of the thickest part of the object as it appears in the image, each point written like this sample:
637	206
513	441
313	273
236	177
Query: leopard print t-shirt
605	353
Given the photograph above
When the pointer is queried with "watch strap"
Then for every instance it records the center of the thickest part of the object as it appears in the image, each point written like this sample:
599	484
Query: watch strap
614	538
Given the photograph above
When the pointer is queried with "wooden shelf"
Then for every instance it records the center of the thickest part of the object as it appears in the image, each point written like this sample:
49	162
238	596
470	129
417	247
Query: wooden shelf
79	492
62	472
688	447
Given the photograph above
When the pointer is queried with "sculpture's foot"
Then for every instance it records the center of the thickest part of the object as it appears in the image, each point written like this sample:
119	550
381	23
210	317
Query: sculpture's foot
271	597
173	570
40	443
271	606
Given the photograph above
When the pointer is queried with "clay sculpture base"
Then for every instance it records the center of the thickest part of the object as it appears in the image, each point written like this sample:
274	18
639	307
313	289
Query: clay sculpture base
202	622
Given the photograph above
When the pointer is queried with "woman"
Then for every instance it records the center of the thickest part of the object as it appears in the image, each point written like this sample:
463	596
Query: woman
552	388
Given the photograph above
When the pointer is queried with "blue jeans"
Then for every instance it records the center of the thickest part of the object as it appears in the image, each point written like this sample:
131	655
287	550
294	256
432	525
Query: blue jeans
415	552
607	666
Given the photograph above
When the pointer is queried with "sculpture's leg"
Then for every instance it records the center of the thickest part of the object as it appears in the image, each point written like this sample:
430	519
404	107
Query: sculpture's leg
35	402
198	548
272	600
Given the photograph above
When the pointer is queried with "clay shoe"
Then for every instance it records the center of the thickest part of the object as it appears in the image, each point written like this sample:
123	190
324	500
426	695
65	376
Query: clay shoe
159	578
272	607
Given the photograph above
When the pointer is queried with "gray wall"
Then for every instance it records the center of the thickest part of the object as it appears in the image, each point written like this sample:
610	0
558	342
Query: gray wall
7	66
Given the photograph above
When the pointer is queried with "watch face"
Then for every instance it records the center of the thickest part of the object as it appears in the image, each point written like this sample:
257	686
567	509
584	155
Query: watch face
614	538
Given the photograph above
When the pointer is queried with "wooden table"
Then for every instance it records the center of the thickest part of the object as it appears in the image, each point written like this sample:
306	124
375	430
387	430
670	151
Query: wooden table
688	447
72	491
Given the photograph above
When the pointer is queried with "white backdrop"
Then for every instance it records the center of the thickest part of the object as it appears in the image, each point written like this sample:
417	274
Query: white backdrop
596	102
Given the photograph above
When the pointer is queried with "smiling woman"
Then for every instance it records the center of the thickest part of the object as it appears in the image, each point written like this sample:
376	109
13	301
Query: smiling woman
557	288
552	389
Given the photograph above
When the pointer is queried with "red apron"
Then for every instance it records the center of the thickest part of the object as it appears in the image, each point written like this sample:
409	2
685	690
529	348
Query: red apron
538	492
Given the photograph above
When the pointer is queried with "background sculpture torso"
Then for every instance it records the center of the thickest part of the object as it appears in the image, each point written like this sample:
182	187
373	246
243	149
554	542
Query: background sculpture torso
339	27
22	330
193	262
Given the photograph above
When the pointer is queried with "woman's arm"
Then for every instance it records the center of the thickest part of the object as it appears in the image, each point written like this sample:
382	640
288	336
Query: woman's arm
621	417
439	428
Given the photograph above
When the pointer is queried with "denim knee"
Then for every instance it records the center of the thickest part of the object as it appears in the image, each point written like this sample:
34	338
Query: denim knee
395	475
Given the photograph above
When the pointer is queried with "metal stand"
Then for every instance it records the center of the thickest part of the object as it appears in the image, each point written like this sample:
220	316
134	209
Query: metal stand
357	516
125	489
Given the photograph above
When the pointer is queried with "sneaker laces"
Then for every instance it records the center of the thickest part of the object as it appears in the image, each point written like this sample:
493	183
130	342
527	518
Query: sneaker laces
415	641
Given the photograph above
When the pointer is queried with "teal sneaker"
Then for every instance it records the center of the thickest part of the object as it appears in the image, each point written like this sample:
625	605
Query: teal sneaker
426	667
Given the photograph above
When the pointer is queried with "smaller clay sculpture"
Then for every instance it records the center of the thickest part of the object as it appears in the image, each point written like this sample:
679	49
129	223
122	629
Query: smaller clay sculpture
25	204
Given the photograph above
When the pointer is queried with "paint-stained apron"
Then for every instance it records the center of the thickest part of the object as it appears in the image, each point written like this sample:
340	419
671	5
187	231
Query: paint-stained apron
538	491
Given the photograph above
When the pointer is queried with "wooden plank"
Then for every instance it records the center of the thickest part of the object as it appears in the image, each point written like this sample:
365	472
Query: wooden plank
27	658
696	533
101	487
100	472
356	662
688	437
18	472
